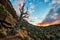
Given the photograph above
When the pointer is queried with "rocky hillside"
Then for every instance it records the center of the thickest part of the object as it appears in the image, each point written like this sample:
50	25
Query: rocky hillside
8	6
8	17
7	12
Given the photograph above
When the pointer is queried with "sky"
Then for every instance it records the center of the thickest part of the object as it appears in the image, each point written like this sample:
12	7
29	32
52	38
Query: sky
38	9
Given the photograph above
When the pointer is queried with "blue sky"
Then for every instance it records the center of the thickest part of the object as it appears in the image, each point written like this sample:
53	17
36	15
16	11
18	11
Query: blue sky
40	9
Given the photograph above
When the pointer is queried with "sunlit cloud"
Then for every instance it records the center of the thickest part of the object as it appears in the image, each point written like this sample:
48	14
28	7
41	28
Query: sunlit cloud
34	20
31	20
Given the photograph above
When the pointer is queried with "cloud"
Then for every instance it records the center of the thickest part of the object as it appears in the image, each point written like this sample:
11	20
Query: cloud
31	5
17	10
31	19
35	17
34	20
31	11
16	7
55	1
20	2
31	8
45	0
54	16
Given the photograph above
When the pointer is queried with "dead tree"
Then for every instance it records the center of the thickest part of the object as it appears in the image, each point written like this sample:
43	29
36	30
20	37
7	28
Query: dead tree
21	15
17	27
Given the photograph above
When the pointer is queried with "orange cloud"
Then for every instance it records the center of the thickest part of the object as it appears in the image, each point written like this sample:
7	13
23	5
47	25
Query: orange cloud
48	23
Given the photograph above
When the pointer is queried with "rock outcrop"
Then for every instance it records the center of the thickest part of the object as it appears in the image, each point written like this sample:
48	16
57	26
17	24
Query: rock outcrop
8	17
7	4
7	12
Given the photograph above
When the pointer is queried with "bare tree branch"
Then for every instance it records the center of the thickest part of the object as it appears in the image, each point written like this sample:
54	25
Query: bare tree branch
17	27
